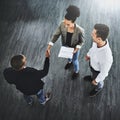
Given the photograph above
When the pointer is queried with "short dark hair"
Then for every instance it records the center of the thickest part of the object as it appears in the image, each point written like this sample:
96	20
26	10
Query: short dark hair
17	61
102	31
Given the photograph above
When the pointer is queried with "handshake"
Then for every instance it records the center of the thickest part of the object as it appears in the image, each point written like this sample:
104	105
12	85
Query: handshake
47	53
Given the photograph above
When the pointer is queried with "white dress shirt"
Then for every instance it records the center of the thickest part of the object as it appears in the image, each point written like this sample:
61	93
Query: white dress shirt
101	60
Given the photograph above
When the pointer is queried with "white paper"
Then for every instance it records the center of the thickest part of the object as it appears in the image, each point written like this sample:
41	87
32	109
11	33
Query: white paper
66	52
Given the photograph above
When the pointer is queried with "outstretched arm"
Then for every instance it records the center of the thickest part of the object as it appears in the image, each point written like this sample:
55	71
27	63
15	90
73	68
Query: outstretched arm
44	72
54	39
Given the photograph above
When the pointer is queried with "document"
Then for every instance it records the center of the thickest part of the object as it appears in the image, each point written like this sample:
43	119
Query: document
66	52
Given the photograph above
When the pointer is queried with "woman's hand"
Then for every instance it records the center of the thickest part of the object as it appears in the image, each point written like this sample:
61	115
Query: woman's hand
75	50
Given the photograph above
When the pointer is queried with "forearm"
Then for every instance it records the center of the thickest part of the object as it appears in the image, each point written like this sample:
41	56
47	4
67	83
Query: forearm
45	70
78	47
104	70
101	76
97	80
46	65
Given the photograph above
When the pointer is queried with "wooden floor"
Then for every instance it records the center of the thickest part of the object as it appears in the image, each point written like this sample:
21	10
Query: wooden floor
26	27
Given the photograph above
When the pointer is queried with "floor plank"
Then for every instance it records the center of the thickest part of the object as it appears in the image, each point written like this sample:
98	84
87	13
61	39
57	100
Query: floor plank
26	27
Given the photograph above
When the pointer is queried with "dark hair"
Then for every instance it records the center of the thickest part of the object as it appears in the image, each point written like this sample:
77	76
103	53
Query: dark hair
102	31
17	61
72	13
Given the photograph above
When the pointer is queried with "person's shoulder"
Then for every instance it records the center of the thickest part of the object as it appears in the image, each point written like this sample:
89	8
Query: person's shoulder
79	28
107	48
62	23
106	52
6	70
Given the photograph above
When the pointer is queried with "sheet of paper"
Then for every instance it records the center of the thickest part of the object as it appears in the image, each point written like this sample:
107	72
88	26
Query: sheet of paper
66	52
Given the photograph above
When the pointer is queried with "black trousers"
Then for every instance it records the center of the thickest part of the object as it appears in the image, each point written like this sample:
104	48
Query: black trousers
94	73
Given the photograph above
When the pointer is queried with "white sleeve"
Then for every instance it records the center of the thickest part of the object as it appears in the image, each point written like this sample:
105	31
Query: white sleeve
104	69
78	46
51	43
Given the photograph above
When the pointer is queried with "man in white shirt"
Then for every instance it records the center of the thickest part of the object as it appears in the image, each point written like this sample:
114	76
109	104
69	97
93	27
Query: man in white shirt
100	58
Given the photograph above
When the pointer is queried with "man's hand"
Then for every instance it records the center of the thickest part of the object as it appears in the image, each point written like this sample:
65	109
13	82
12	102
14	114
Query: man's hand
94	82
48	49
47	54
87	58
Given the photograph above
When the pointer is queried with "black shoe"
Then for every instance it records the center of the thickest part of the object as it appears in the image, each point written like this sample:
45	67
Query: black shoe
29	99
88	78
94	92
47	98
31	102
75	75
68	65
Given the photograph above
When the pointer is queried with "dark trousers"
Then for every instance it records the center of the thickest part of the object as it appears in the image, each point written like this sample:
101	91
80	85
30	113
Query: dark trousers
94	75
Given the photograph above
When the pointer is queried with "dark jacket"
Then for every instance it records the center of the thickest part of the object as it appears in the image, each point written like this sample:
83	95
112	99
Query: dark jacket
27	80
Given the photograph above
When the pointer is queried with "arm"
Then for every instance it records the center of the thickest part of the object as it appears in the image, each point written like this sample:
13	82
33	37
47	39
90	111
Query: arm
54	39
81	41
44	72
104	70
